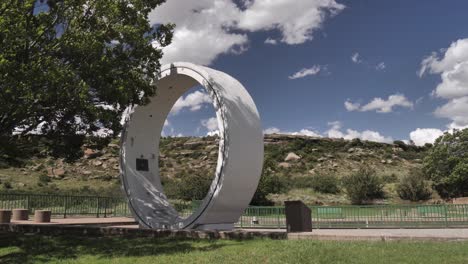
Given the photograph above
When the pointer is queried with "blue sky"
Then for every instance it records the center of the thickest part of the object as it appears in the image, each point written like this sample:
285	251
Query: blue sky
400	66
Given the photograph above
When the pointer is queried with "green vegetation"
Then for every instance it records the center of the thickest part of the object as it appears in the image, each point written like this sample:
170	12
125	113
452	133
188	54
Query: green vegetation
447	164
44	249
187	165
66	59
363	186
414	187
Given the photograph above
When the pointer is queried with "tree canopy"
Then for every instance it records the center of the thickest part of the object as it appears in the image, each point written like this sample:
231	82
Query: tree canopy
73	66
447	164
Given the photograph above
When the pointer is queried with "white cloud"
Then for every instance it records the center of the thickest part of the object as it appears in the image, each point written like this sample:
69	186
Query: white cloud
335	132
456	109
421	136
296	20
213	133
210	124
207	28
193	101
356	58
306	72
453	69
351	106
307	132
381	105
271	41
381	66
272	130
302	132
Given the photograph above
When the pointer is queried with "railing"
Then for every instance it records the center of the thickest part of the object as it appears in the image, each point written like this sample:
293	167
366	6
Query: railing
372	216
65	206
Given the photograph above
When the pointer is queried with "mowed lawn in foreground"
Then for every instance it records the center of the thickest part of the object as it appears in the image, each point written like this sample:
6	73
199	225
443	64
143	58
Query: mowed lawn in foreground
62	249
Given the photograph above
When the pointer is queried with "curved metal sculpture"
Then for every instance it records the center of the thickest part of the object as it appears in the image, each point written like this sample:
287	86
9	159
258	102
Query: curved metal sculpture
240	155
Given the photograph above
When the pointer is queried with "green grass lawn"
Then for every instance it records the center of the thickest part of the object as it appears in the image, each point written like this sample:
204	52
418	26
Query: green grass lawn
44	249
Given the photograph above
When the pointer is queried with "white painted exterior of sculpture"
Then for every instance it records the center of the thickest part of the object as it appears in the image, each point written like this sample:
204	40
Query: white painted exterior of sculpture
240	156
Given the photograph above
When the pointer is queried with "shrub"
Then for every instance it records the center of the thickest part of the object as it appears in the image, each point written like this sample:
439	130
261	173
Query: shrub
325	183
363	186
7	185
390	178
269	183
44	179
414	187
188	187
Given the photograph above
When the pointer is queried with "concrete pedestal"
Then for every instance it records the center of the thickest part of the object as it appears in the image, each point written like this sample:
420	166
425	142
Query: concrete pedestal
42	216
5	216
20	214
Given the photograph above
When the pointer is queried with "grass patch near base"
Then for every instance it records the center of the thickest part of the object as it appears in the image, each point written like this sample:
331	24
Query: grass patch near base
61	249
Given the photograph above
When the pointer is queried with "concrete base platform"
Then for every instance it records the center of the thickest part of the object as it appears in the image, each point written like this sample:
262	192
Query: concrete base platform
123	226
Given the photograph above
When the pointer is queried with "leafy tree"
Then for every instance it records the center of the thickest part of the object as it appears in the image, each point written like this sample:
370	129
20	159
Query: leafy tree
447	164
73	66
363	186
414	187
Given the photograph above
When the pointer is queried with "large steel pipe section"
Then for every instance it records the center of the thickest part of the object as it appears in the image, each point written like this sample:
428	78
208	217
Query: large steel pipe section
240	155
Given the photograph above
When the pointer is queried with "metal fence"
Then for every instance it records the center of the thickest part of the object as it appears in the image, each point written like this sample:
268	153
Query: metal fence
372	216
66	205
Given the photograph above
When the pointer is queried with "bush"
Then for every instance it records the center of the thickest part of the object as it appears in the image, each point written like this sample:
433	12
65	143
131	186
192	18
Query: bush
363	186
325	184
414	187
188	187
43	179
269	184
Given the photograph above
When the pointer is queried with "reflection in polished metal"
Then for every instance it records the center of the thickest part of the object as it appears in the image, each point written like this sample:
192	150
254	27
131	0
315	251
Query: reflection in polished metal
240	155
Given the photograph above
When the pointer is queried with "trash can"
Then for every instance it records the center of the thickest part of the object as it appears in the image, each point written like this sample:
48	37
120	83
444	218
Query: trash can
298	217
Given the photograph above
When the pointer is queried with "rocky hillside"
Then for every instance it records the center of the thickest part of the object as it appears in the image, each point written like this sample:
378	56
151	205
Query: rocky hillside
96	169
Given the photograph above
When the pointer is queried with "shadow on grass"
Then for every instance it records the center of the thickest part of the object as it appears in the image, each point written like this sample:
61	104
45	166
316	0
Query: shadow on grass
18	248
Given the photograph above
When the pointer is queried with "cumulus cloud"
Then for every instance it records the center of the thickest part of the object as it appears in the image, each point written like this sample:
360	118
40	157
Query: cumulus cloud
193	101
351	106
335	132
452	66
208	28
457	110
421	136
381	105
302	132
306	72
271	41
296	20
210	124
356	58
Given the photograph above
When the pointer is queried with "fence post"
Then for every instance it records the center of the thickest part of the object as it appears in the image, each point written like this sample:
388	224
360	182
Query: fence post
278	217
27	202
65	206
98	204
105	206
446	216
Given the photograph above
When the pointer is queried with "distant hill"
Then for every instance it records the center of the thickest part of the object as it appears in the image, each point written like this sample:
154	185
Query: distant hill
95	170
